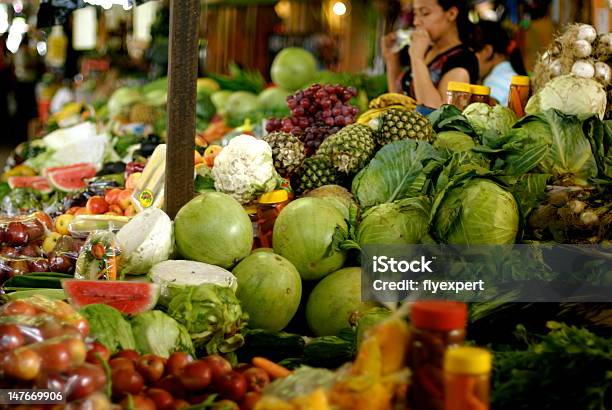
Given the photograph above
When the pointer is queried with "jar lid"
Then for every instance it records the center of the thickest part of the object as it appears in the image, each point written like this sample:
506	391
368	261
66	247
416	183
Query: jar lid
520	80
274	197
467	360
481	90
439	315
250	209
459	86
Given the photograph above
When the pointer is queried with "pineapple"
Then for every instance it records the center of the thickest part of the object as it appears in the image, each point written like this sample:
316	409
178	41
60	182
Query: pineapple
397	124
350	148
287	152
142	113
315	172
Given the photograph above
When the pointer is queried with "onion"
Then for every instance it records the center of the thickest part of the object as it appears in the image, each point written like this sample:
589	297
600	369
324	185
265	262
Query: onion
605	43
555	68
546	57
577	206
584	69
589	218
582	48
603	73
587	33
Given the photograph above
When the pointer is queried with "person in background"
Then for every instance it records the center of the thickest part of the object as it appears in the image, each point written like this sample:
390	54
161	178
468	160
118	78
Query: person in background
499	58
438	52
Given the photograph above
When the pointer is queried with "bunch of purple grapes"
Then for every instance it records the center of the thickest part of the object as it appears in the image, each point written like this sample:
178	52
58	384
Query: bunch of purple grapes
316	113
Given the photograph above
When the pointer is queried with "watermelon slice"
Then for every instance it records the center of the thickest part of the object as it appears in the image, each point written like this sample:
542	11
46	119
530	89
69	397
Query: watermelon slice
38	183
72	177
130	297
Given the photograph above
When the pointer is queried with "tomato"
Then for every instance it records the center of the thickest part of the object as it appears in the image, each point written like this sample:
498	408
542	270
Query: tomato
17	234
151	367
198	398
10	337
55	357
196	375
60	263
54	381
256	379
180	404
9	251
218	366
126	381
162	399
137	402
115	209
19	307
35	230
98	251
225	405
96	352
124	199
30	250
128	354
38	265
232	386
85	380
23	363
176	362
96	205
77	351
250	400
112	195
172	385
117	363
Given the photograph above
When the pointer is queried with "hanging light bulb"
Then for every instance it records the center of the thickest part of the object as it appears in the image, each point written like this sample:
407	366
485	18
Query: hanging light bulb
339	8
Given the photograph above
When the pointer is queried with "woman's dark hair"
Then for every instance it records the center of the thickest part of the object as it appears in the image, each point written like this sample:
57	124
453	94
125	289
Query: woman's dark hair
464	25
494	34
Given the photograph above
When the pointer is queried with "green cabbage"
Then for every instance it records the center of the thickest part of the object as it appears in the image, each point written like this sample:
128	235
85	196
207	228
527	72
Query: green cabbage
401	222
475	212
159	334
484	118
108	326
212	315
571	95
399	170
551	143
454	141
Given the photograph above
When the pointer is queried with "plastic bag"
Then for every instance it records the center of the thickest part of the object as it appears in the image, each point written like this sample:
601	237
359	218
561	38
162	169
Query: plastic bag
99	257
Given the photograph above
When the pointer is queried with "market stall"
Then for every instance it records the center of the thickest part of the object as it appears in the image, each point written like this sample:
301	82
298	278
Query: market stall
206	242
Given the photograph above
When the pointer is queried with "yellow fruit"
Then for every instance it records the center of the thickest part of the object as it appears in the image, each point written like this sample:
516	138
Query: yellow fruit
130	183
207	84
50	242
62	222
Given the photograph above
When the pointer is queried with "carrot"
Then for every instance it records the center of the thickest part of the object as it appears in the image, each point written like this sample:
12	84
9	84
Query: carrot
274	370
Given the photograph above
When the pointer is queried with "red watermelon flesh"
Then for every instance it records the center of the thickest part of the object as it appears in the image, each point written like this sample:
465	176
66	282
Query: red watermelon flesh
36	182
126	296
80	165
72	177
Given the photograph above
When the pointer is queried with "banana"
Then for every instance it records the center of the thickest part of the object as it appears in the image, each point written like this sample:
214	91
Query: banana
388	99
374	113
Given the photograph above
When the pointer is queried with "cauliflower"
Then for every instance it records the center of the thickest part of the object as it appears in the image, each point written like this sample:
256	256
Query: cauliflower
244	169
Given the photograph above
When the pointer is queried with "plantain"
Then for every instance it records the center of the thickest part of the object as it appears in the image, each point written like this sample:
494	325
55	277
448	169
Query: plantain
389	99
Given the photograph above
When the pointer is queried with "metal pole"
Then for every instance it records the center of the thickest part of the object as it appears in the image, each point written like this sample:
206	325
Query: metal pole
181	105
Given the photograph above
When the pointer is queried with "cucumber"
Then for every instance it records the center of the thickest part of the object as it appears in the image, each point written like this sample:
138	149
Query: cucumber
50	293
329	351
272	345
44	280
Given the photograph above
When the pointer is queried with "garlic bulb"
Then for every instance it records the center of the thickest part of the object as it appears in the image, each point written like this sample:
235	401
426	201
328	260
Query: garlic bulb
603	73
583	69
555	68
587	33
582	48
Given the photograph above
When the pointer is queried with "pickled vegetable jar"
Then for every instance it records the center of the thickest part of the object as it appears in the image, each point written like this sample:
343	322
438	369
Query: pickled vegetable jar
481	93
437	326
458	94
270	205
467	378
519	95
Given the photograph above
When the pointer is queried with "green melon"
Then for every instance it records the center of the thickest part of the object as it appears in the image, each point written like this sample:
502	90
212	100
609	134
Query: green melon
293	68
303	233
334	300
213	228
269	289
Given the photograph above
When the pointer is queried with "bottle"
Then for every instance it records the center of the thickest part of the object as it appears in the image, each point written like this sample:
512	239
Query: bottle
56	47
458	94
269	206
438	325
251	210
467	373
519	94
481	94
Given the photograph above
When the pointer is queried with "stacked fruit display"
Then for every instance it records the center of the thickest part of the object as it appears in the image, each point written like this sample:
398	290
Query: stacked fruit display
42	345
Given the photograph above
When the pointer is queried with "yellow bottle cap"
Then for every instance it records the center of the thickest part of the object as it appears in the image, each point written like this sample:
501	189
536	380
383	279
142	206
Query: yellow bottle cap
274	197
520	80
250	209
467	360
459	86
481	90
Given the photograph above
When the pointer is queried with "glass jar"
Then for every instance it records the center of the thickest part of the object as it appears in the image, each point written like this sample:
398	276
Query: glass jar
481	94
467	373
437	325
270	205
458	94
251	210
519	94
